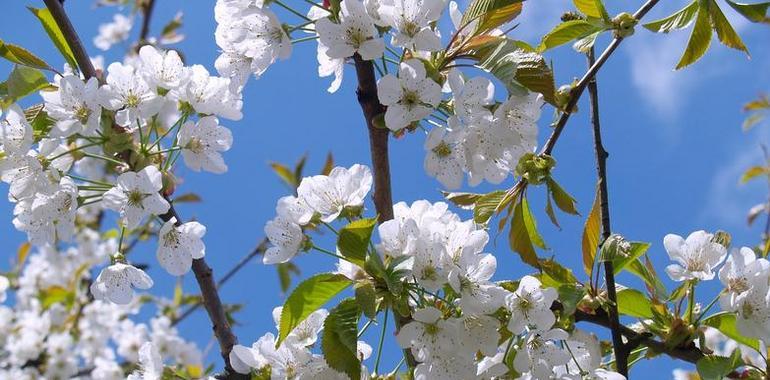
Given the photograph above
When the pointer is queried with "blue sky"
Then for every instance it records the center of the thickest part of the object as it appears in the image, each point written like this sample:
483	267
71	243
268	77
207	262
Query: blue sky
675	142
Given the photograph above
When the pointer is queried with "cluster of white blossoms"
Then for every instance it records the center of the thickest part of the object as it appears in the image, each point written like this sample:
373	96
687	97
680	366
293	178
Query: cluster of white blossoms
436	251
113	32
745	277
469	131
155	98
55	324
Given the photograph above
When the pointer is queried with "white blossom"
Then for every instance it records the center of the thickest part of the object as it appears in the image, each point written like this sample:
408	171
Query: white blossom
287	239
151	364
696	257
48	219
74	106
116	282
113	32
342	188
411	21
355	33
129	94
4	284
162	69
209	95
444	156
136	195
530	306
739	272
540	354
410	97
202	143
428	335
179	245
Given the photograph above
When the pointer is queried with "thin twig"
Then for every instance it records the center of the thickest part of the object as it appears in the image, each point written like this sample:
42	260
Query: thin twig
147	16
621	354
259	249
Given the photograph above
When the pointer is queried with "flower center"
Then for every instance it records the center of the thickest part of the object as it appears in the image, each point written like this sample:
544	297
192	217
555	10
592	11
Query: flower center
442	150
132	100
82	114
196	145
171	238
355	36
410	28
410	98
135	198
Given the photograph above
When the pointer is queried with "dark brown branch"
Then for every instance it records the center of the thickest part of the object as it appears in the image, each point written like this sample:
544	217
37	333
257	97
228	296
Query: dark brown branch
81	56
577	91
621	352
378	143
689	354
259	249
205	277
147	9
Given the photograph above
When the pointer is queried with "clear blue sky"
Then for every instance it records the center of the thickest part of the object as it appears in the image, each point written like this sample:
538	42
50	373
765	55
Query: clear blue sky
675	142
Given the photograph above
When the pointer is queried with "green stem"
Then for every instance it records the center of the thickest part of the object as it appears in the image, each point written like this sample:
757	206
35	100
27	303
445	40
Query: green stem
330	253
290	9
120	240
366	326
329	226
382	340
112	160
90	180
178	123
708	307
74	150
300	26
690	300
303	39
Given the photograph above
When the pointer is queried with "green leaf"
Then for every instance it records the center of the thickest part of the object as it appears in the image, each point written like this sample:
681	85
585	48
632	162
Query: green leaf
520	238
285	174
725	322
517	68
650	278
570	296
39	120
591	236
725	32
699	42
56	294
340	338
285	270
463	200
566	32
713	367
563	200
558	274
487	205
585	44
55	34
490	14
353	240
753	12
22	56
679	20
634	303
592	8
637	250
754	172
24	81
307	297
366	296
188	198
328	164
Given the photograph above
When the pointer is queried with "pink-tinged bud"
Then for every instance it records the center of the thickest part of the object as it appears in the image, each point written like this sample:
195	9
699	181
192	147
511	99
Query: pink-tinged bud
169	184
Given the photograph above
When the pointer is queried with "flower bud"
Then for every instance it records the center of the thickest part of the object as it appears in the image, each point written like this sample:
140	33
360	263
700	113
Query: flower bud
624	24
535	168
570	16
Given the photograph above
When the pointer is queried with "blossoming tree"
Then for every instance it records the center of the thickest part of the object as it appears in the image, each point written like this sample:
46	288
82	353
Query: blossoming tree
106	141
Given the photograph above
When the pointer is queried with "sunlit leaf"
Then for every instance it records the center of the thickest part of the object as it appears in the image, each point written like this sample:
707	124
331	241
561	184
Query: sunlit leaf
725	32
565	32
591	230
592	8
55	34
678	20
726	324
523	235
487	205
699	42
340	338
307	297
353	240
634	303
22	56
753	12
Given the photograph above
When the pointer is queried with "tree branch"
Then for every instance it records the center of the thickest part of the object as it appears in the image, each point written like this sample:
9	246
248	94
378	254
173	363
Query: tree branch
205	277
621	352
378	144
81	56
577	91
203	273
259	249
149	6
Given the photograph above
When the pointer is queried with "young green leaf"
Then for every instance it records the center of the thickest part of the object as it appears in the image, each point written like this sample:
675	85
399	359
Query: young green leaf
725	32
634	303
487	205
366	296
517	68
726	324
752	12
285	174
22	56
490	14
637	250
678	20
519	236
699	42
563	200
353	240
713	367
307	297
754	172
591	231
463	200
340	338
565	32
55	34
592	8
585	44
24	81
